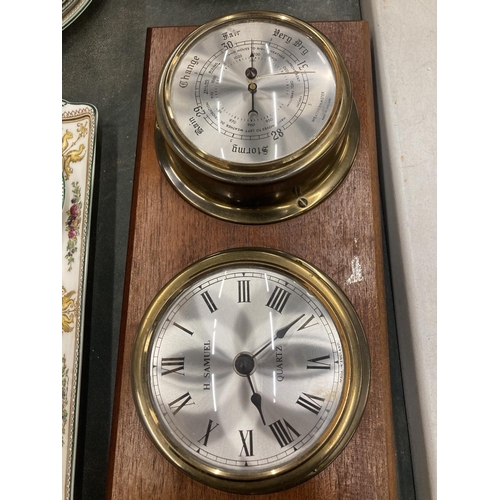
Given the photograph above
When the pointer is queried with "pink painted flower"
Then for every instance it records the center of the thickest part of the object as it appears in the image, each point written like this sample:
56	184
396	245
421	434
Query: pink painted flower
74	210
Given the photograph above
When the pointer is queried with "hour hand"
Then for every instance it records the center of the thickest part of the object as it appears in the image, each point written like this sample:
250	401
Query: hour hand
256	399
244	365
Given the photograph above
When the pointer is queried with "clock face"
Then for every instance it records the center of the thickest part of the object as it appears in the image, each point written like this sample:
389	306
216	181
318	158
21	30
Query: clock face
245	370
252	92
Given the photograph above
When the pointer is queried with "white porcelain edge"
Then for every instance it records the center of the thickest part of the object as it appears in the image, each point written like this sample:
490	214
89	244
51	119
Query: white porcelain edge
90	110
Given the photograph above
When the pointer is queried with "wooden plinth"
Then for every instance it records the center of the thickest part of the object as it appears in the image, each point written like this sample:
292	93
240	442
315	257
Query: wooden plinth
342	236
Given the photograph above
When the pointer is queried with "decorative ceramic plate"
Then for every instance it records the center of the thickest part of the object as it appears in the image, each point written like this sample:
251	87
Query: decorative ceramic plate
71	9
79	122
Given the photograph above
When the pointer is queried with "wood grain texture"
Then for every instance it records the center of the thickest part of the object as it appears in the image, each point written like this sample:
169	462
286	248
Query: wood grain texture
167	234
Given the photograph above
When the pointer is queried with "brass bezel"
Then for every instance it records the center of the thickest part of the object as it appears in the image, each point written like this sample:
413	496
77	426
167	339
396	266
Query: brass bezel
356	382
264	192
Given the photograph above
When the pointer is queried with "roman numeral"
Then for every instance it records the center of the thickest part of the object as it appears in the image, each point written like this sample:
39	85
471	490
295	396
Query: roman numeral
244	291
209	302
183	329
210	428
308	323
247	440
172	365
281	431
278	299
177	404
306	401
319	363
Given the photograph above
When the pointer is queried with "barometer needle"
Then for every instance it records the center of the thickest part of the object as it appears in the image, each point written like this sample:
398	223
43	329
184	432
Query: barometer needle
286	73
252	88
251	72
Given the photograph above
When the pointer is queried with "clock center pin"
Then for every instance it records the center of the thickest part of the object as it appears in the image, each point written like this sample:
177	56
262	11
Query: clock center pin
244	364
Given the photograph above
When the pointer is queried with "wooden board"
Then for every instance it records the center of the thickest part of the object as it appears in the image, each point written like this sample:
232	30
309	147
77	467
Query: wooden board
342	236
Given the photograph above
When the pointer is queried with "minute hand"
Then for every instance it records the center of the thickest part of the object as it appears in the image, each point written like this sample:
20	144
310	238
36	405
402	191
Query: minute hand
279	334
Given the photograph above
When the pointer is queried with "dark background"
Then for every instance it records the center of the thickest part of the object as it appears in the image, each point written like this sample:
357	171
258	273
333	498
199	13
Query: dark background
102	64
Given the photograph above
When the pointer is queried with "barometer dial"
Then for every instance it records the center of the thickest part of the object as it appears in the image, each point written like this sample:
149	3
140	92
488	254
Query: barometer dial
254	93
256	120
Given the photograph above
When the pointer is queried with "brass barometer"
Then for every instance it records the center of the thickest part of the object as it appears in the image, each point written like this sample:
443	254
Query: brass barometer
243	367
255	117
250	371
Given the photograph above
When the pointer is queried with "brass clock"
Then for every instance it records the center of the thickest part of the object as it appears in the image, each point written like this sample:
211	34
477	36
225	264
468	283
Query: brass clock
250	370
255	117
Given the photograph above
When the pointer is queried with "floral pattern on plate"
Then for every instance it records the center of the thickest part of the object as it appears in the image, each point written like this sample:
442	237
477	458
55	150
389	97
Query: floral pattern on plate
79	123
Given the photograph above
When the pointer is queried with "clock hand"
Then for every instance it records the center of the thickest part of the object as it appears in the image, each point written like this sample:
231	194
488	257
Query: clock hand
244	365
279	335
256	399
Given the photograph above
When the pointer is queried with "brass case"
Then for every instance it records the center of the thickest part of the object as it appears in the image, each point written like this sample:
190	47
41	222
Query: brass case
356	383
265	192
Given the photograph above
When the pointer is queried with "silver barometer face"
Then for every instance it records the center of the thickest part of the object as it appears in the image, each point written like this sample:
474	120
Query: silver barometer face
252	92
255	117
249	373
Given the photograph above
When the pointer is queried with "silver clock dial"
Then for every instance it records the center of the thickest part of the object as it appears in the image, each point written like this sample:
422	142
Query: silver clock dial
246	369
250	370
252	92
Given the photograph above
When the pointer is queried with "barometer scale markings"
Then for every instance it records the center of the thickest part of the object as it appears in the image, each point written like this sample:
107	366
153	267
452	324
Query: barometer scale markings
289	54
232	135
